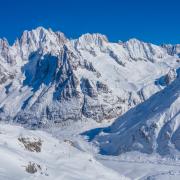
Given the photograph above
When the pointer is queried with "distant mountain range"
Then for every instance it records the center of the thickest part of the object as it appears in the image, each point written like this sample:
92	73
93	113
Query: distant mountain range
47	78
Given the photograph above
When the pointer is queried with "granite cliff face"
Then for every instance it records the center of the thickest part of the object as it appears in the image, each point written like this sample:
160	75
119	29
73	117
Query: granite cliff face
45	77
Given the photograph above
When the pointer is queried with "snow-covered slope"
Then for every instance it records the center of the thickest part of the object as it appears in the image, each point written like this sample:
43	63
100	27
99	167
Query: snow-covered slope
38	155
45	77
151	127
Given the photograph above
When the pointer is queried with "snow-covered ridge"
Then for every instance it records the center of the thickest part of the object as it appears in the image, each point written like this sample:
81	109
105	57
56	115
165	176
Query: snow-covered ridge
51	78
172	49
151	127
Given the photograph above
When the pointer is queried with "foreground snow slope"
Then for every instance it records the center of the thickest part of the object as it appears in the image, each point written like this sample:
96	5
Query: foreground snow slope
151	127
64	154
56	159
53	79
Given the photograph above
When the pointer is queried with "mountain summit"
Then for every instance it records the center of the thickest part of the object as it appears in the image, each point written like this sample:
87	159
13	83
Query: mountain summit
47	78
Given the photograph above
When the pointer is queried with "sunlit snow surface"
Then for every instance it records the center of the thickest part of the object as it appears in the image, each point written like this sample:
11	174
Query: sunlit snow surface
46	78
66	155
59	159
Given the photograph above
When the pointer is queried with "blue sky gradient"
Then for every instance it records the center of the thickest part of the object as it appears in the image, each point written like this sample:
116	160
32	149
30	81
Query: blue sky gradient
156	21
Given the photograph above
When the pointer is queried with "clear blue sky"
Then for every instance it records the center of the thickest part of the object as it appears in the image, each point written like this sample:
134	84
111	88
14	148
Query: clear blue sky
156	21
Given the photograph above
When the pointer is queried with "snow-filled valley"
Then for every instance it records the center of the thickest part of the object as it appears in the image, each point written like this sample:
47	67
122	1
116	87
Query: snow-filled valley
88	108
55	158
64	154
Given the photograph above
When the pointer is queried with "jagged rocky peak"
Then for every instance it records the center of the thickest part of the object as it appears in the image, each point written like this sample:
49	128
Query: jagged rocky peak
87	77
35	35
4	47
139	50
89	41
40	38
93	38
4	43
38	34
133	41
172	49
5	58
6	52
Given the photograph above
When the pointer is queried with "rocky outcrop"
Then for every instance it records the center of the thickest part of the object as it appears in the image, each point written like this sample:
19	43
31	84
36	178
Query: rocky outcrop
170	76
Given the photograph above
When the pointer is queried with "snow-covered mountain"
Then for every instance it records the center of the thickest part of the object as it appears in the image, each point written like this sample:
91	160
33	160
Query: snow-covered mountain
46	77
151	127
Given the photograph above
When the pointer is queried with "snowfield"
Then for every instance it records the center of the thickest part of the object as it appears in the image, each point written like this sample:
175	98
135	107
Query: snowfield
58	159
66	155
